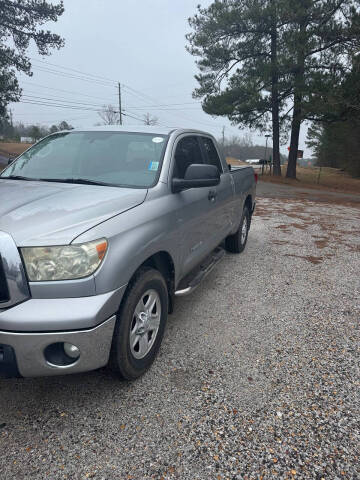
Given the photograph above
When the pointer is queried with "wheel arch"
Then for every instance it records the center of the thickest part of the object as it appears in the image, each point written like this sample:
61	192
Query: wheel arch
249	204
164	263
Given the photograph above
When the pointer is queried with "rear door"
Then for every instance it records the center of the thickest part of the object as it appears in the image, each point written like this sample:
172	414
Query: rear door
224	192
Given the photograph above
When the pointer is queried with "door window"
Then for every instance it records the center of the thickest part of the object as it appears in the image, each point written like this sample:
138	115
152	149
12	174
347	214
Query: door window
187	152
211	154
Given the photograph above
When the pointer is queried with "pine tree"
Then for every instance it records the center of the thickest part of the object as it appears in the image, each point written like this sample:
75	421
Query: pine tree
257	58
319	38
238	46
20	22
334	135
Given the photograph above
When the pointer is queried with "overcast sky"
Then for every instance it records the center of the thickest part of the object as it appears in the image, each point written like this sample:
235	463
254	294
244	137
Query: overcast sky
140	43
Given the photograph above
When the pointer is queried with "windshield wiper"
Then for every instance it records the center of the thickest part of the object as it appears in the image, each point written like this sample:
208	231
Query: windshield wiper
19	177
83	181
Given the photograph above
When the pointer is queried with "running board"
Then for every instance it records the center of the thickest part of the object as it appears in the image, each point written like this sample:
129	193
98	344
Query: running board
205	268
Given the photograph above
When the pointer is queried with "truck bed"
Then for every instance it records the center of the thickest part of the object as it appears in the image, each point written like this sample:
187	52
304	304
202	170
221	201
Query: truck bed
243	176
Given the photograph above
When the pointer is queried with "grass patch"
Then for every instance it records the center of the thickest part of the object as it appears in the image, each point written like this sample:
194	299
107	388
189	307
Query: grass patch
330	178
235	161
11	149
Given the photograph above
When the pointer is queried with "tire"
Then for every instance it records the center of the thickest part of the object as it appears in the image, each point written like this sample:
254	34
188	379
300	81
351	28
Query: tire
135	345
236	243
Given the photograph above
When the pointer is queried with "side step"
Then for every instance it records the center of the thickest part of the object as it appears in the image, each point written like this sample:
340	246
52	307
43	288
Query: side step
193	280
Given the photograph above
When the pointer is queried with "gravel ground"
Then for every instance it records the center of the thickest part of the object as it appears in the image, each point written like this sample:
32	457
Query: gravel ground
258	375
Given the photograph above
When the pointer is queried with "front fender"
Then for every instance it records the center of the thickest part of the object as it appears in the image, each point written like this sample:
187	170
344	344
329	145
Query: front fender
133	237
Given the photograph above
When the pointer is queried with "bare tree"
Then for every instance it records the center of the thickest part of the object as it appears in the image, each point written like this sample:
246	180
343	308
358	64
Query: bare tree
150	120
109	115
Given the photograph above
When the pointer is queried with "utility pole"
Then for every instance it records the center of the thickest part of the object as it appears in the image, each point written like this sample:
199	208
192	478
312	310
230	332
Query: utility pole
267	136
223	136
120	112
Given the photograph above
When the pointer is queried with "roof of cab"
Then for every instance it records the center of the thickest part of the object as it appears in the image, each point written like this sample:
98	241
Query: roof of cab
155	130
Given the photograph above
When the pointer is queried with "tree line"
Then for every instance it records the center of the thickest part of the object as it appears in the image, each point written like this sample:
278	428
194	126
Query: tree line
274	64
15	132
335	137
243	148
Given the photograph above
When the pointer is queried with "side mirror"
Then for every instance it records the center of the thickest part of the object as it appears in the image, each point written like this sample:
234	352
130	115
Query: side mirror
196	176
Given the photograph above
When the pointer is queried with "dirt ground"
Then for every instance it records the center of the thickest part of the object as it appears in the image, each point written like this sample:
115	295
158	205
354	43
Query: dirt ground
8	149
284	191
329	179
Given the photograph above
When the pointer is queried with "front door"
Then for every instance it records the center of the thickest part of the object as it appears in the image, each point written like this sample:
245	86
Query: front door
196	208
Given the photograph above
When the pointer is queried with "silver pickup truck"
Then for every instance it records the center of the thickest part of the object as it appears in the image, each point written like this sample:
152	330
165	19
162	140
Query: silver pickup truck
100	230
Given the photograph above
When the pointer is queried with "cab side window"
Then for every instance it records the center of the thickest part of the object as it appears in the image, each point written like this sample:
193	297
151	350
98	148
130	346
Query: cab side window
211	154
187	151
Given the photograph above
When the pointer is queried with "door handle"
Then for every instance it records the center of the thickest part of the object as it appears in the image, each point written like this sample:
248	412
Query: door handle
212	195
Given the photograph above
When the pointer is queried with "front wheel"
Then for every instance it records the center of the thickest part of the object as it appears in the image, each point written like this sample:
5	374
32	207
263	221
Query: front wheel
140	325
237	242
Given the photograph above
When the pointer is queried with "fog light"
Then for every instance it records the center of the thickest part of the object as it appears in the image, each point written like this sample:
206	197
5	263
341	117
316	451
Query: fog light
61	354
71	350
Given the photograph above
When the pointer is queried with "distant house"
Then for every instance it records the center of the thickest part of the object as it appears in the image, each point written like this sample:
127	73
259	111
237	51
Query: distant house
26	140
253	161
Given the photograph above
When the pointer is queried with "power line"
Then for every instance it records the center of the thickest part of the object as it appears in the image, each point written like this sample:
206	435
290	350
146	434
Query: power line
133	93
94	78
71	76
120	109
168	105
29	97
139	93
85	76
73	70
64	91
145	107
80	108
132	116
45	104
166	109
72	107
179	115
142	120
74	75
104	81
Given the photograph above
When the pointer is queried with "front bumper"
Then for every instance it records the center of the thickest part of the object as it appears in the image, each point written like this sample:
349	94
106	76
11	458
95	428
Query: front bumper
27	329
25	352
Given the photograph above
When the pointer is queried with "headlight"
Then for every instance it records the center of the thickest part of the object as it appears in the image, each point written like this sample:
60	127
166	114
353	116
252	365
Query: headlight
65	262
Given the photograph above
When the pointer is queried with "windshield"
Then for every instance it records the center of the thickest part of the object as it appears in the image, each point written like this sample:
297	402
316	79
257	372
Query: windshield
111	158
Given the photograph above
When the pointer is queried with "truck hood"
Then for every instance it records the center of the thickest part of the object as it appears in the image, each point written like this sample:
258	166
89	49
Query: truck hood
43	213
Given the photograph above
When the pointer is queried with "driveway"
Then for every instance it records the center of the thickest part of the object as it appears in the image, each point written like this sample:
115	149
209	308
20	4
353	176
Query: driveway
258	375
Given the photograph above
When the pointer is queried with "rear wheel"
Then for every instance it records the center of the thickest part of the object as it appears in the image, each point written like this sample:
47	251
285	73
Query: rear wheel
140	324
237	242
